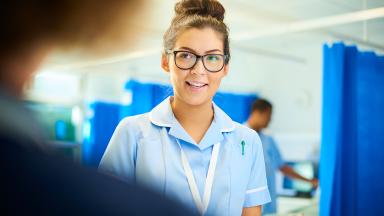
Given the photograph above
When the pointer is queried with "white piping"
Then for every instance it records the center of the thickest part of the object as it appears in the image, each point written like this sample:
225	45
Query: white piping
256	190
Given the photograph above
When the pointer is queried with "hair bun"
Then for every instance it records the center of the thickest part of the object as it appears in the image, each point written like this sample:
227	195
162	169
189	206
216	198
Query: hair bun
211	8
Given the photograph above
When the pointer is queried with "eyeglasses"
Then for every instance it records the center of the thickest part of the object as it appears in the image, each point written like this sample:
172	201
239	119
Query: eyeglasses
186	60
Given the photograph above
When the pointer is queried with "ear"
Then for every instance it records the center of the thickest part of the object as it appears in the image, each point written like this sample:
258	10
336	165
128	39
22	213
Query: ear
165	62
226	68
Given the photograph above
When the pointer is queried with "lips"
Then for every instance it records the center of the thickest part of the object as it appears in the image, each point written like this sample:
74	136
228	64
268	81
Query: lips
196	84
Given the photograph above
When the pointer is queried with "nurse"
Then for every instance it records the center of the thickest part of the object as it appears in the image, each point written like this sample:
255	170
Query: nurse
187	147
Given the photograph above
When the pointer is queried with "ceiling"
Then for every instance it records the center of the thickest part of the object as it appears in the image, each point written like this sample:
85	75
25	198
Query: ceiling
258	26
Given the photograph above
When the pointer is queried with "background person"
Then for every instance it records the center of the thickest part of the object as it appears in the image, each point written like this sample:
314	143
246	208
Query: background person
258	120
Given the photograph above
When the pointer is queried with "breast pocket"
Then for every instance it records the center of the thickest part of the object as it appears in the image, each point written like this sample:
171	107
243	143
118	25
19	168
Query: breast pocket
242	149
241	161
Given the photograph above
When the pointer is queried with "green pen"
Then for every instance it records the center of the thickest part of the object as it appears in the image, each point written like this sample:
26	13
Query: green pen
242	147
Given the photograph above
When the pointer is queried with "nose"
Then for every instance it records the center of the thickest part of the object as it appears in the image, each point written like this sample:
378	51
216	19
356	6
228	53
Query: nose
199	67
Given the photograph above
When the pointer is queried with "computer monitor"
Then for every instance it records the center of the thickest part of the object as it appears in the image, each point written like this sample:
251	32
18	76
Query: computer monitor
297	187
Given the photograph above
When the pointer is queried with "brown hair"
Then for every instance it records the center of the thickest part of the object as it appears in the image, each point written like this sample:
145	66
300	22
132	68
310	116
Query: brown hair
197	14
65	22
261	105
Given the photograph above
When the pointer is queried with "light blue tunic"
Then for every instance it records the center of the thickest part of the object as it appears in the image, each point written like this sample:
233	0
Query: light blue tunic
144	149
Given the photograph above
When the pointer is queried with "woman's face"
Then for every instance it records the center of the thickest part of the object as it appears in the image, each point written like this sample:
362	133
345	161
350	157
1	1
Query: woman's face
197	85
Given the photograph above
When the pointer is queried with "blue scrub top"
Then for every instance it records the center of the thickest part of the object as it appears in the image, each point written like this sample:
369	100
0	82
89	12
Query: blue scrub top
144	149
273	162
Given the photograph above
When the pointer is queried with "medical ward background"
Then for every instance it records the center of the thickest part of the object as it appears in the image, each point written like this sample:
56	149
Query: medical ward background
320	62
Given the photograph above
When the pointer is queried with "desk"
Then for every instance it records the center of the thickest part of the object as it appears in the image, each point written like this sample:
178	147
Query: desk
292	206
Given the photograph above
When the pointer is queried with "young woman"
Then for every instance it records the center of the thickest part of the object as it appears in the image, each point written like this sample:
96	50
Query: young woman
187	147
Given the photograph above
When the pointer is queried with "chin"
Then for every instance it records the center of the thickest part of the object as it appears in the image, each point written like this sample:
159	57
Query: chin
196	101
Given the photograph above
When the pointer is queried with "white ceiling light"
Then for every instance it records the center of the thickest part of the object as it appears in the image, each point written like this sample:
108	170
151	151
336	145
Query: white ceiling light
312	24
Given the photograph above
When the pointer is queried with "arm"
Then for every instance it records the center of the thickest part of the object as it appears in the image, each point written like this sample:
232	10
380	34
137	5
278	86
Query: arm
290	172
287	170
252	211
257	193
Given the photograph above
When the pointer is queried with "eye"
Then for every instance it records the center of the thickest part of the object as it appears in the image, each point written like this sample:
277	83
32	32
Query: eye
185	55
213	58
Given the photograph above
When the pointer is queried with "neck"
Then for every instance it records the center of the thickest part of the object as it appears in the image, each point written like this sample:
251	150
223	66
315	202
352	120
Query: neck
195	119
253	126
190	114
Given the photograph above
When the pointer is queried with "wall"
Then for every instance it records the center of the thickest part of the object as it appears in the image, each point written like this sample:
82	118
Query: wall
288	75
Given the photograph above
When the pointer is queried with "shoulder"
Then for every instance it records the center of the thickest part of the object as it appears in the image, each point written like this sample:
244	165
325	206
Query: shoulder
39	168
243	128
242	132
135	120
137	126
134	123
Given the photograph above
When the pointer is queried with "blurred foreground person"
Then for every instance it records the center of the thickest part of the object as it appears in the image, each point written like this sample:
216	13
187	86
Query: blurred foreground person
34	180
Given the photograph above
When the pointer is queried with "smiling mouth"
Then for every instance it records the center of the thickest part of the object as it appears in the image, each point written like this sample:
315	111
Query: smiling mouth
196	84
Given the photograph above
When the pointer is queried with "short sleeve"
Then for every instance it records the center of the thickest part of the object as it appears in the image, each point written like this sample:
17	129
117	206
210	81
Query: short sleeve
257	192
120	156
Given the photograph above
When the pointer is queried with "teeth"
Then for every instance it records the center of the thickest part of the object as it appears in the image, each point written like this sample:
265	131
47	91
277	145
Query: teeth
195	84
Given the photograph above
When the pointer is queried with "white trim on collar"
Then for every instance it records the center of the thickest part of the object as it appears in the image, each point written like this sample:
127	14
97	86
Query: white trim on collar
157	123
162	114
226	130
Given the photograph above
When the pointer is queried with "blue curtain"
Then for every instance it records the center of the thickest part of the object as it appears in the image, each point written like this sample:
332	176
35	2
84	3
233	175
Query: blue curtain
237	106
352	147
99	127
145	96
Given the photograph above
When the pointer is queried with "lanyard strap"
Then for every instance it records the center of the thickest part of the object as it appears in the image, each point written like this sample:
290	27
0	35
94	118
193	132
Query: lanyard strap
201	206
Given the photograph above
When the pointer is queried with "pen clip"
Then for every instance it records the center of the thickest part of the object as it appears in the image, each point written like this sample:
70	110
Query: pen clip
242	147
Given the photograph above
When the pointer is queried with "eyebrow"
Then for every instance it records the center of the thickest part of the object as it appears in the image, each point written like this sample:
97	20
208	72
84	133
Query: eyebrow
194	51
